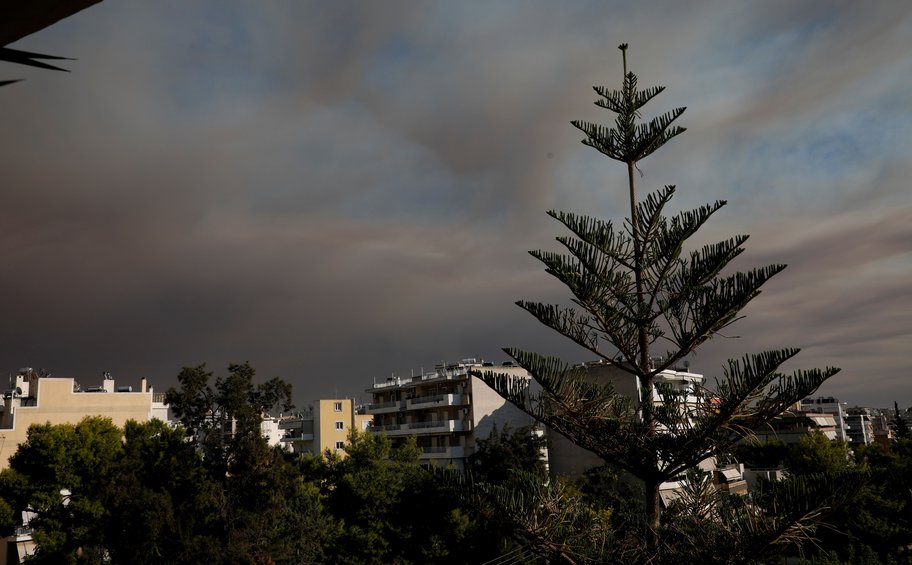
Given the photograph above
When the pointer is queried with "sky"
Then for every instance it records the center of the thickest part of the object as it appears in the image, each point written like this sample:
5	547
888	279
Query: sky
341	191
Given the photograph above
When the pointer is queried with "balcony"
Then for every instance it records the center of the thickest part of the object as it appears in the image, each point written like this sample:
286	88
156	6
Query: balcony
455	452
296	437
297	424
435	400
420	428
384	407
439	427
442	374
393	430
390	382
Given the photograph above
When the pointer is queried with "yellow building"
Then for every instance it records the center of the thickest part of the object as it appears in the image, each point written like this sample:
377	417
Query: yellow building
325	425
40	400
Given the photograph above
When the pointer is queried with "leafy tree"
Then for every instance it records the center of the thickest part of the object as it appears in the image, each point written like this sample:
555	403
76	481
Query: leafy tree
225	420
505	451
366	490
259	507
642	303
816	453
770	454
61	473
151	494
164	506
604	488
394	511
877	525
7	514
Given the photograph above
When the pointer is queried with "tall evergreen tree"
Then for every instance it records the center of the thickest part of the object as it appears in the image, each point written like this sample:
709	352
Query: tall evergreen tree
643	303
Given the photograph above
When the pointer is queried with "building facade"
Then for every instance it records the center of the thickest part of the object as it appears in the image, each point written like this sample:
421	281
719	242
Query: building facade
34	399
829	405
859	421
323	427
791	427
447	410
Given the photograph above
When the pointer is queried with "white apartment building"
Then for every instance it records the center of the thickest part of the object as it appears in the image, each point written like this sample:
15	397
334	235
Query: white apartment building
792	427
447	410
859	421
829	405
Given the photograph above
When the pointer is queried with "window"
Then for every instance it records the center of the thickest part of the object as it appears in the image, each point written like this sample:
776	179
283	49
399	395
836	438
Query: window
337	406
340	445
340	425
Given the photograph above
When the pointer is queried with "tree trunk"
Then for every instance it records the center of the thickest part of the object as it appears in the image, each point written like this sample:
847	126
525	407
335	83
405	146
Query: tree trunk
653	508
652	499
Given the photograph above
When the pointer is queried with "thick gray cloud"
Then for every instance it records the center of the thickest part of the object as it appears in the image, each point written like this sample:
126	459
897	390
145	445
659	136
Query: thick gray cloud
339	191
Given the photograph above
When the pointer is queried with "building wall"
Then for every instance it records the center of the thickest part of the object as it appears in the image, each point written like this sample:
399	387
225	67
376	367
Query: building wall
489	409
330	413
318	430
860	429
792	427
363	422
269	427
446	410
52	400
829	405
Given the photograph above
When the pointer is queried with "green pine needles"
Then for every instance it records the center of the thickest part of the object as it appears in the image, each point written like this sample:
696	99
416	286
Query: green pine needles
642	302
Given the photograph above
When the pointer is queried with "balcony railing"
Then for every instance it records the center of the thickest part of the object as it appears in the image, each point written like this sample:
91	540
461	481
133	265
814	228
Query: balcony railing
383	407
389	430
427	399
442	374
432	401
413	428
297	437
451	452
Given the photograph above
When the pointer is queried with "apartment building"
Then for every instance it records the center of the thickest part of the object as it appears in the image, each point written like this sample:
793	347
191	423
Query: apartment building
883	432
324	426
447	410
859	421
829	405
791	427
36	399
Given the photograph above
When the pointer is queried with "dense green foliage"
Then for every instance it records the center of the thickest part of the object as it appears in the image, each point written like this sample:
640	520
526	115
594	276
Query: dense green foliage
144	494
61	473
876	523
505	451
390	509
150	493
